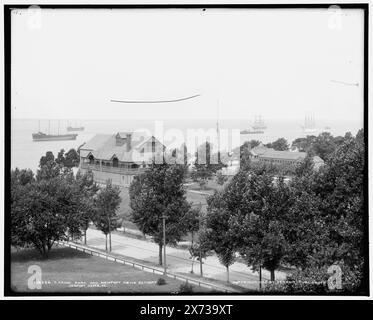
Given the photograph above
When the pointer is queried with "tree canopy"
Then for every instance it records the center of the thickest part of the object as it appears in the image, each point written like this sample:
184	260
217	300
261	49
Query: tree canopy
280	144
156	193
50	207
313	220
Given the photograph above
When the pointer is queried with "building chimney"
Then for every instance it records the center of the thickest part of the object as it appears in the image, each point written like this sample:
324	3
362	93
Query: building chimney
129	142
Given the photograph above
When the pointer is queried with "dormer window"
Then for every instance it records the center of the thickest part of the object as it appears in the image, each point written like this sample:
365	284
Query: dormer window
115	162
91	159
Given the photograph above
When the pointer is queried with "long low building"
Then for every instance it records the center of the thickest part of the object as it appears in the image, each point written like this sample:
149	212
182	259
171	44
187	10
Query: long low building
269	155
119	157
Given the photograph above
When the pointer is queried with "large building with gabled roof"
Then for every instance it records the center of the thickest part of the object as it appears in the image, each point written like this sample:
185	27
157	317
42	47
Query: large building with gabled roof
119	157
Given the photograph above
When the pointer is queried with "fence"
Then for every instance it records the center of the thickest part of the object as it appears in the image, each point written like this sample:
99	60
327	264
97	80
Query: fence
146	268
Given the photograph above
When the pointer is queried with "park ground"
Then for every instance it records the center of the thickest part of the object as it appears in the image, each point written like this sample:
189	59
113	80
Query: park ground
129	242
68	270
145	251
194	195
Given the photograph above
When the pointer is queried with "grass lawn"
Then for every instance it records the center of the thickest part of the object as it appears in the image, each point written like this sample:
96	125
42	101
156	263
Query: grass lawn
124	211
68	270
210	186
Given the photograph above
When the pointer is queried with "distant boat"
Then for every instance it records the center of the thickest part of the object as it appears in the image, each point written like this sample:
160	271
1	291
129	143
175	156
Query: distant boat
41	136
309	124
252	132
257	127
74	128
70	128
259	123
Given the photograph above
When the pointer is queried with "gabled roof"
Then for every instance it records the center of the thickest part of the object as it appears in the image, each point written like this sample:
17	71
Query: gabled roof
286	155
95	142
104	146
147	140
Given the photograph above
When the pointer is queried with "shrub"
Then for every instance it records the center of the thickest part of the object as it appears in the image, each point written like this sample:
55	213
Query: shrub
220	178
161	282
186	288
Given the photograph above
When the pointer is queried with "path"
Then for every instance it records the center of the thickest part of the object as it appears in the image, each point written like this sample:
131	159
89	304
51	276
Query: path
178	259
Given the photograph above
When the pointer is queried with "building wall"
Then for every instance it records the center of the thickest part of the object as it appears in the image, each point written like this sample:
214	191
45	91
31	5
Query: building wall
123	180
275	160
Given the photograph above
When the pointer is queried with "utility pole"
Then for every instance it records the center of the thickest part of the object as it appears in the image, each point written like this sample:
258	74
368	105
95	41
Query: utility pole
109	234
217	130
260	277
200	248
164	243
109	225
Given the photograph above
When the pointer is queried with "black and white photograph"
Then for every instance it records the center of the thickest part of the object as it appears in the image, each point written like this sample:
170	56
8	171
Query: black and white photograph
186	150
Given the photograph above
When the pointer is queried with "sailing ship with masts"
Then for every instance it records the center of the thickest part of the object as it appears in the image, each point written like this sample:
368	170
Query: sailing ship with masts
41	136
259	123
309	124
257	127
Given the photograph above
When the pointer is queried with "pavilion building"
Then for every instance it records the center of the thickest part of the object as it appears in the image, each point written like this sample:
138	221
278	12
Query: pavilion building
119	157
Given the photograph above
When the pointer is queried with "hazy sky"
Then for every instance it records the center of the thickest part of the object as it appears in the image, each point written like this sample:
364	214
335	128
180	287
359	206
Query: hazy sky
279	63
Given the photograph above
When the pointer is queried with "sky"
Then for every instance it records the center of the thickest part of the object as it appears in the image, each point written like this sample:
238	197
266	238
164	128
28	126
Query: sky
281	63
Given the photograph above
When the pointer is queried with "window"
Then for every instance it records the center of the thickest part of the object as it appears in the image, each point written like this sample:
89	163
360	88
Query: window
115	162
91	159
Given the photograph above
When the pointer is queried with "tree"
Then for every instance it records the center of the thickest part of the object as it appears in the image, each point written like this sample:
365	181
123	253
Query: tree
51	207
69	160
199	250
192	222
87	189
258	203
218	235
49	167
327	212
44	212
244	151
157	193
206	164
220	178
303	144
21	177
280	144
19	180
72	158
340	188
49	157
324	145
107	203
196	223
306	232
